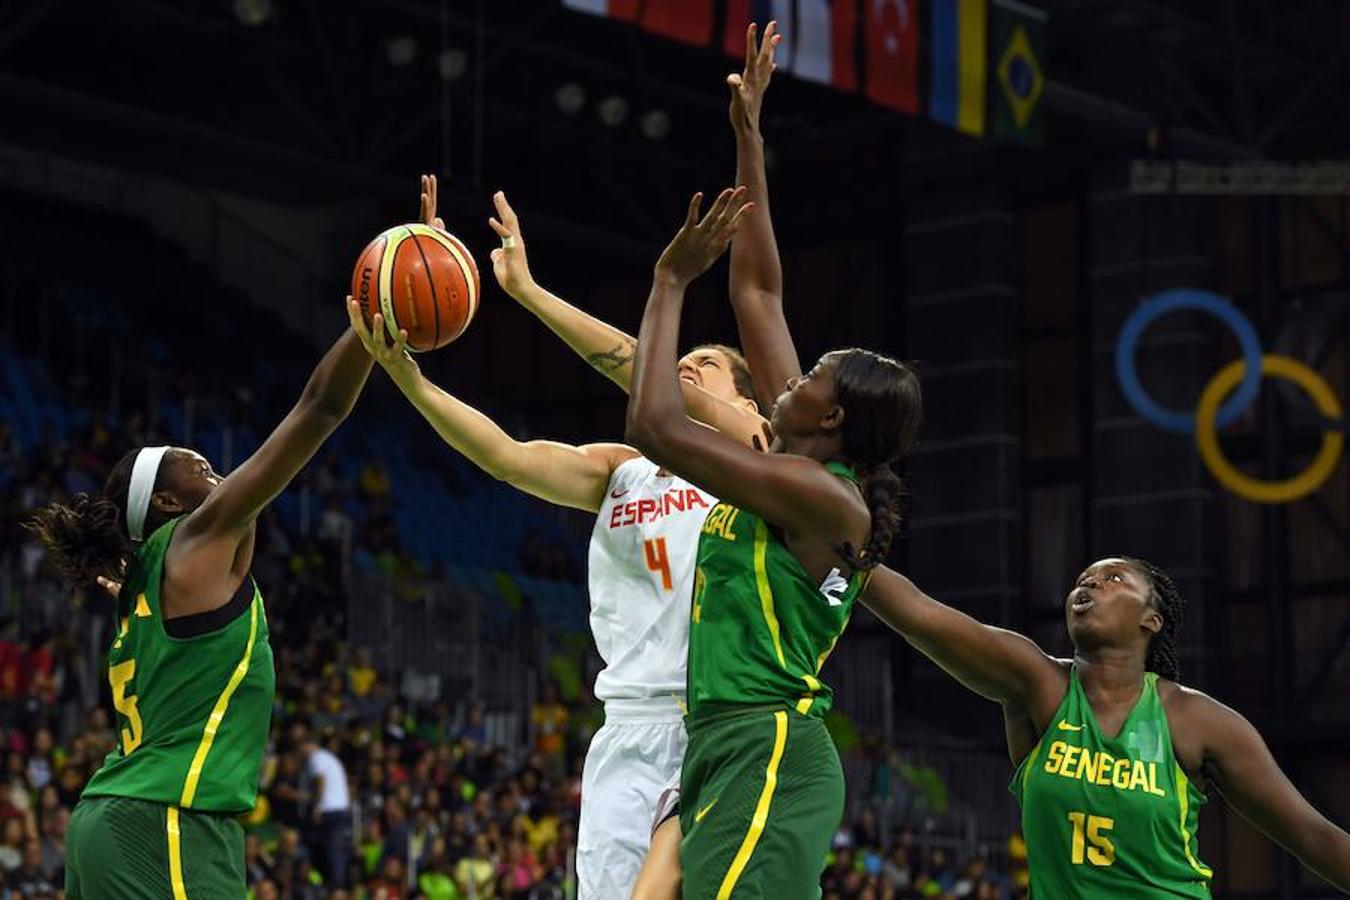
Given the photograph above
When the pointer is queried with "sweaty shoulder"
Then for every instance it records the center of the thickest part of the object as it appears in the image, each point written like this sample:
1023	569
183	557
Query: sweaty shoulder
1193	717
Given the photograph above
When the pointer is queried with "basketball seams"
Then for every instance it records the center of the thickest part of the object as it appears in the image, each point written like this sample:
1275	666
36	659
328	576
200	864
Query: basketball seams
468	272
431	283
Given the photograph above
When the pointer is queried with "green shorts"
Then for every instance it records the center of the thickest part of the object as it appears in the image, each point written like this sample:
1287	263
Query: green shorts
761	794
118	848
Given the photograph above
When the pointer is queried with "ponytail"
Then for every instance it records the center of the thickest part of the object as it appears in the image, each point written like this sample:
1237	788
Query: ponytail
883	490
86	538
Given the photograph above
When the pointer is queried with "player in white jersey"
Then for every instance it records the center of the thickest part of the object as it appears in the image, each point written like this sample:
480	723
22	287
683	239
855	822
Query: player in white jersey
642	551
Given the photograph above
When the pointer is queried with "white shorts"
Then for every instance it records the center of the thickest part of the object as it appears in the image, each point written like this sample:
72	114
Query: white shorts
633	759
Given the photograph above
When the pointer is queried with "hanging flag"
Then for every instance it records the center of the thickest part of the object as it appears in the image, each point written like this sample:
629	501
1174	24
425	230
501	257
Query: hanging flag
892	50
1017	44
825	41
627	10
959	62
740	13
687	21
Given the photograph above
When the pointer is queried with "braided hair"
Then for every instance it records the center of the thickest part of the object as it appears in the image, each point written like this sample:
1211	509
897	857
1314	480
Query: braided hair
883	407
87	537
1167	600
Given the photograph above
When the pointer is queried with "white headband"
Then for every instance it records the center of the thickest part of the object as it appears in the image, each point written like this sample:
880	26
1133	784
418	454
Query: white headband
143	475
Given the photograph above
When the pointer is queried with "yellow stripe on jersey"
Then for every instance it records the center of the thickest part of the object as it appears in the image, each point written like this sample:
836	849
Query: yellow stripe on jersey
765	591
1030	761
1184	802
171	825
804	704
761	815
218	711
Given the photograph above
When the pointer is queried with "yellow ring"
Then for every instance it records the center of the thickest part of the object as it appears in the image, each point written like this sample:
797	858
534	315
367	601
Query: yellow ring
1256	489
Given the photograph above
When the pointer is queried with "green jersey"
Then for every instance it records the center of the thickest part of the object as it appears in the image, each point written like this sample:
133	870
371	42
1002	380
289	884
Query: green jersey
1108	817
193	713
760	626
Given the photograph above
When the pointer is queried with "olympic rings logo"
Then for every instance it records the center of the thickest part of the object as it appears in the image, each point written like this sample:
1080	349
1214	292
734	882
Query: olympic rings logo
1214	411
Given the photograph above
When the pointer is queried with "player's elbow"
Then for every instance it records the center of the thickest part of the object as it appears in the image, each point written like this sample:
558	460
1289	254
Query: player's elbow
322	411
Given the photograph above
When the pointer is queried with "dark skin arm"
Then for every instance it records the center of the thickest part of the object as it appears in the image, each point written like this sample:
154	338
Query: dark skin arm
756	280
1229	753
815	509
997	664
212	548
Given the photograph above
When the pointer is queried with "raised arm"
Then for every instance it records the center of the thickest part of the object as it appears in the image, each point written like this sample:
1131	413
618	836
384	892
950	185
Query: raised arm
559	473
997	664
605	348
792	492
326	400
1240	765
756	271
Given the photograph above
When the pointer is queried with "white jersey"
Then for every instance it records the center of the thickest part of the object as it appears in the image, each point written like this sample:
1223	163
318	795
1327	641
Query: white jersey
642	556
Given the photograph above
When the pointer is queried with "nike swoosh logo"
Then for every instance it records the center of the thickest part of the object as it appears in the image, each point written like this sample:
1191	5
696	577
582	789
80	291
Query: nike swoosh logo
617	494
698	816
1065	726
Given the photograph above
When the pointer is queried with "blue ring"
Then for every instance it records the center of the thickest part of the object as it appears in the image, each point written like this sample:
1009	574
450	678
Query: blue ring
1171	301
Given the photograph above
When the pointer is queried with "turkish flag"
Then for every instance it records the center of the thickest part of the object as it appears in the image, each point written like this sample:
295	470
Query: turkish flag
687	21
892	45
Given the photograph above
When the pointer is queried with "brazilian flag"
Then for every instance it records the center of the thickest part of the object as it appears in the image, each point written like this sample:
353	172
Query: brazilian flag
1017	52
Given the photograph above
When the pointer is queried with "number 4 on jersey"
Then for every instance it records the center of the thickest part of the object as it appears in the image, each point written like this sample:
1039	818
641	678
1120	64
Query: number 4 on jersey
659	561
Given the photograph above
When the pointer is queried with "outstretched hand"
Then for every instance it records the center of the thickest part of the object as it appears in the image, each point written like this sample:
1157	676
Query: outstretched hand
747	88
428	206
394	357
509	263
699	243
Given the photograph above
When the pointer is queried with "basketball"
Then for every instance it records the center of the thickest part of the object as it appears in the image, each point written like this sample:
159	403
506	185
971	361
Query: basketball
421	280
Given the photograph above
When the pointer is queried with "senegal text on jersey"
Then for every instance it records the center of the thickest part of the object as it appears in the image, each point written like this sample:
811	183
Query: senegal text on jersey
1102	768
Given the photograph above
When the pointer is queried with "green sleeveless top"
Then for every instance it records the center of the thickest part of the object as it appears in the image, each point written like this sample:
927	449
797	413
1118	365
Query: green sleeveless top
760	626
1108	818
193	714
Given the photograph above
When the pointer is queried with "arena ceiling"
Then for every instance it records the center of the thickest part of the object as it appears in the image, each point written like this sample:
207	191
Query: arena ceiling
318	100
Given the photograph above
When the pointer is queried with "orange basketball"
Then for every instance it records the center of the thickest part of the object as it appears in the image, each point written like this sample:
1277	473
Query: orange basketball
419	279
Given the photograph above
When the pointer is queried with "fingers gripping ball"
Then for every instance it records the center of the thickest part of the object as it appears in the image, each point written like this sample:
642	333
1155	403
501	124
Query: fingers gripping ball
421	280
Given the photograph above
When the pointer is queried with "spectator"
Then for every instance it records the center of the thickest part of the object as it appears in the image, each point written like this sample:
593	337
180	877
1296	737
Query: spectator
40	760
11	845
435	882
361	676
28	880
286	795
476	874
53	842
549	721
391	884
256	868
332	811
